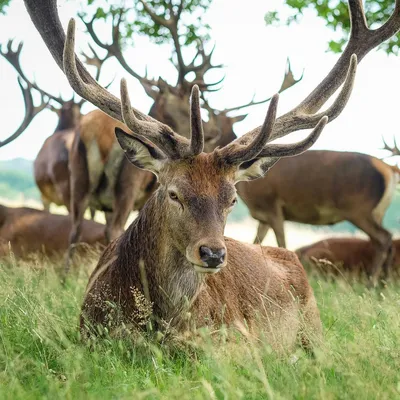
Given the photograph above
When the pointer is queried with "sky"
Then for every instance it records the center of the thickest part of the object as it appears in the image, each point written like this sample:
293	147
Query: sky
254	57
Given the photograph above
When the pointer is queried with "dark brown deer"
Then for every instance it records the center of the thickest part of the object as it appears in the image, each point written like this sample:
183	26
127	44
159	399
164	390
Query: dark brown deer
178	235
346	186
348	255
100	176
26	232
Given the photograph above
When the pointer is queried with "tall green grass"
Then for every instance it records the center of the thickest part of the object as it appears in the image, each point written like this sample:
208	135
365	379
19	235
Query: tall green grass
41	355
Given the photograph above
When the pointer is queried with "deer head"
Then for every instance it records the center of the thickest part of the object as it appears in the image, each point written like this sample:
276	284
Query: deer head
197	190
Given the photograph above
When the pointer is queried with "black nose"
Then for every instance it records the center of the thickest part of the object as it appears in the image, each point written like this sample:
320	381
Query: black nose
211	257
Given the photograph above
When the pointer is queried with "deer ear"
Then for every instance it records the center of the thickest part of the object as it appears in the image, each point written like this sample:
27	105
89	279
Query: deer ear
140	153
255	169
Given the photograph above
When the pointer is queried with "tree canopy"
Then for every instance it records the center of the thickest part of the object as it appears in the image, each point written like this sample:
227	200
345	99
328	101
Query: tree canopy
336	15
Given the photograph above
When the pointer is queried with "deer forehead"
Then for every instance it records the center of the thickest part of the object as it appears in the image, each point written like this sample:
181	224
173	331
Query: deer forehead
203	175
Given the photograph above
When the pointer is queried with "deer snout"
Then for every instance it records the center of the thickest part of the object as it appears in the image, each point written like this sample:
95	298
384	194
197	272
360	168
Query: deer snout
212	257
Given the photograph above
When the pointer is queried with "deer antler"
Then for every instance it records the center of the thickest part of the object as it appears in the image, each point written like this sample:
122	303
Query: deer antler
95	60
303	116
30	111
288	81
395	151
114	50
13	57
361	41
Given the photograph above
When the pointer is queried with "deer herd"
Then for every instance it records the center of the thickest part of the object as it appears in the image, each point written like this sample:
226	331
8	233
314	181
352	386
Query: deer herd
184	174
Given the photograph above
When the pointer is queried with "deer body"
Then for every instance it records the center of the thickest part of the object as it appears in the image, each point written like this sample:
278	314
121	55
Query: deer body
321	187
350	255
264	283
25	231
50	167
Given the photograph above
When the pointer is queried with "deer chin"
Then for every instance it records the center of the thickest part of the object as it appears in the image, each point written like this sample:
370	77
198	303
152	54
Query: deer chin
206	270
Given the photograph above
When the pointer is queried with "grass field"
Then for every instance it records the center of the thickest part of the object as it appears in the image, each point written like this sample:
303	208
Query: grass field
41	355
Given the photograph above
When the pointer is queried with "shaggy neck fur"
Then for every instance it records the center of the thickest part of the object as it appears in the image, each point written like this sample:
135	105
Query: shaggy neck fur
171	280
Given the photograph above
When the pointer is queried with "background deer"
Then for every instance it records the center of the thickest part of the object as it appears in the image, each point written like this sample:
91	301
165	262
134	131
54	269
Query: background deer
26	231
350	255
50	167
346	186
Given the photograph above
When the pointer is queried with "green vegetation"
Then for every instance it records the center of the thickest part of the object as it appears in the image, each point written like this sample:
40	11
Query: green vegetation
41	355
336	15
16	180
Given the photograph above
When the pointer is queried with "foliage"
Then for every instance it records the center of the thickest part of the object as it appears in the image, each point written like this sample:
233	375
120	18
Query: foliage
137	21
336	15
41	355
3	6
13	184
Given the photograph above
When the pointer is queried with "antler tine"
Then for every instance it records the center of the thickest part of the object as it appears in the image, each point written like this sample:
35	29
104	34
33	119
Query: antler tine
293	149
237	153
13	57
160	135
30	111
361	41
288	81
84	85
395	151
196	123
95	60
114	49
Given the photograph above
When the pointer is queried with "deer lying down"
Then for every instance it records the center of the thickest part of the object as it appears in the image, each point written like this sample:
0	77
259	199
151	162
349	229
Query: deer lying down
350	255
25	231
189	266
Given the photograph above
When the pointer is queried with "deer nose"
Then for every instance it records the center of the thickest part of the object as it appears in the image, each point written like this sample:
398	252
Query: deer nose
212	257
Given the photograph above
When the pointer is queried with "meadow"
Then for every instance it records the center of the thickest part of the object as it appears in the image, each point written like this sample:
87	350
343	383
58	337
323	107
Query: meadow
42	356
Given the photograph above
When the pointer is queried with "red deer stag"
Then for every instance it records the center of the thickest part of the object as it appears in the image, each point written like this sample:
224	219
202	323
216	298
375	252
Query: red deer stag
100	175
178	235
346	186
51	170
349	255
25	231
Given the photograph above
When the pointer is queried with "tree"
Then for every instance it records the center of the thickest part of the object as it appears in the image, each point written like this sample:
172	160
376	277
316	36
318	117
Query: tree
336	15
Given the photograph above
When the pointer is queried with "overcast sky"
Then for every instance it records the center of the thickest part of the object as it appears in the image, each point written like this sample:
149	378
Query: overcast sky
254	55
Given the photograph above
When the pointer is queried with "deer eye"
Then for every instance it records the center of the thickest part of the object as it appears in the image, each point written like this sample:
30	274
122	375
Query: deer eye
173	196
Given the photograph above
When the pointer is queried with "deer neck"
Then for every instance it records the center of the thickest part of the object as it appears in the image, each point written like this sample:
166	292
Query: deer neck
172	281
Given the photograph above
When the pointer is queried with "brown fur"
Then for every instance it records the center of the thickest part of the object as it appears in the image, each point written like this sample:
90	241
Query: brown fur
347	254
26	231
324	187
51	164
255	285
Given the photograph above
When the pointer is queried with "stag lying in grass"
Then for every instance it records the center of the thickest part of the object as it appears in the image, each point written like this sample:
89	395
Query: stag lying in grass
346	186
345	255
190	267
26	231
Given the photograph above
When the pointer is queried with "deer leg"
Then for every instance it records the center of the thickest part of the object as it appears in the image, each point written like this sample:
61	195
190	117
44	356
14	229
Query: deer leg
382	242
92	213
80	185
46	203
276	221
262	231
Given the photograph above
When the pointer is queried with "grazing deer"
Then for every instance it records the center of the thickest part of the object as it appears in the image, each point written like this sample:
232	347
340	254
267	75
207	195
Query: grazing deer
349	255
346	186
100	175
26	231
178	235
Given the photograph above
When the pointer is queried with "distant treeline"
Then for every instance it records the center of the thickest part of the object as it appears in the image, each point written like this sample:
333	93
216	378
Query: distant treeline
16	180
